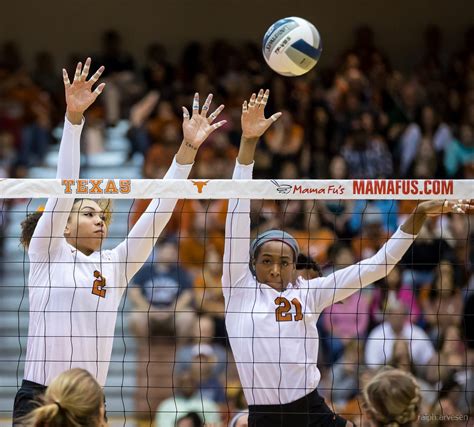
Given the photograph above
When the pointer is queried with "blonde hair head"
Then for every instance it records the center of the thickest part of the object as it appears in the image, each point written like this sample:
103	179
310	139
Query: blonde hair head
73	399
392	398
107	207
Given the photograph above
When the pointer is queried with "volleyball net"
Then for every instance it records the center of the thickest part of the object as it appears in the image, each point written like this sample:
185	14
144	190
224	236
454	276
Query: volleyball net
171	352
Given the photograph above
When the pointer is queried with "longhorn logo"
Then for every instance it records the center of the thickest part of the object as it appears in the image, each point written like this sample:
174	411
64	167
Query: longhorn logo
200	185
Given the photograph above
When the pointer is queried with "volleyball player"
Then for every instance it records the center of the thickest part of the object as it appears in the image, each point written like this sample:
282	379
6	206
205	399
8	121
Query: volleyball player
73	399
271	313
392	398
75	286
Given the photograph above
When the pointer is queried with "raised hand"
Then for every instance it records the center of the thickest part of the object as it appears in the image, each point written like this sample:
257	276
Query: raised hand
79	93
430	208
197	127
254	123
438	207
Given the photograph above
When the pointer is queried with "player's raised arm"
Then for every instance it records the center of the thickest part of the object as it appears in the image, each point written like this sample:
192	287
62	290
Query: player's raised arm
345	282
237	229
80	95
142	238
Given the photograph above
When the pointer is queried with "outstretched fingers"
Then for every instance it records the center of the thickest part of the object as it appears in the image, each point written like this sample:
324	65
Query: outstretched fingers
252	100
96	75
218	124
196	104
463	206
275	117
259	98
185	113
215	113
85	70
81	73
459	206
257	101
207	104
67	83
98	90
264	99
77	74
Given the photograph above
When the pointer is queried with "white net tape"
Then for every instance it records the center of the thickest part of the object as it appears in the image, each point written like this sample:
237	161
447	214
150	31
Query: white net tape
250	189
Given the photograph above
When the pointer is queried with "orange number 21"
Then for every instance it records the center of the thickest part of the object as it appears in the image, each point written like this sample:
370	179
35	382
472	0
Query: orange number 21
284	306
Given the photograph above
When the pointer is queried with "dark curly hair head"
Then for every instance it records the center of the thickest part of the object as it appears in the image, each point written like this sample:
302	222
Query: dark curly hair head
28	226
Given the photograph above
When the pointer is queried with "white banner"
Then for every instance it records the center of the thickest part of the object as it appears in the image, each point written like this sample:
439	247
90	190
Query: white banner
246	189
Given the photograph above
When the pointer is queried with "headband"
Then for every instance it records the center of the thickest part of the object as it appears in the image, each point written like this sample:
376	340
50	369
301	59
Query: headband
270	236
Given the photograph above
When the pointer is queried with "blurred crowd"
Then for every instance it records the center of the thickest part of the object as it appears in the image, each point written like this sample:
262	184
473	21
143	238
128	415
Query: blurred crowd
360	117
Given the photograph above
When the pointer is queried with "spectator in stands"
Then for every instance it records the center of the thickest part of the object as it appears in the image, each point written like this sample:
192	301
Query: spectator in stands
378	215
460	152
45	76
7	153
158	71
208	292
10	56
446	409
442	301
186	398
320	138
343	378
427	130
203	333
364	46
203	369
467	324
390	289
337	214
371	231
162	296
424	255
25	115
119	74
284	141
401	359
304	219
349	321
380	342
138	134
452	358
366	157
430	68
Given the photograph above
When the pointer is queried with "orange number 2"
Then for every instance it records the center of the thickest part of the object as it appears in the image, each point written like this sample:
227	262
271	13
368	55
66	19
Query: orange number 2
282	311
99	285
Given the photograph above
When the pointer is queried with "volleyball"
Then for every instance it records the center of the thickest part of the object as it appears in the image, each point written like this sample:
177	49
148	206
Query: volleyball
292	46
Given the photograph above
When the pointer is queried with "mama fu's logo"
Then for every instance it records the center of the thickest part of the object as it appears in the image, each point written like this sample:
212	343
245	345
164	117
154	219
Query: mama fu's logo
200	185
282	188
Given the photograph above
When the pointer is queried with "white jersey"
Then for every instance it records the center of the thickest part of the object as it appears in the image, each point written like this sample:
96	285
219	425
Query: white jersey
380	343
273	334
74	297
